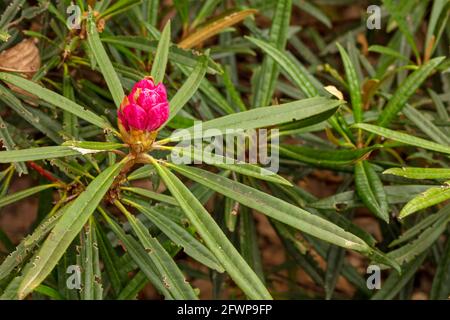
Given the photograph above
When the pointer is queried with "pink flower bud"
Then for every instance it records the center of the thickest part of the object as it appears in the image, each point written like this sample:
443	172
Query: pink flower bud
146	107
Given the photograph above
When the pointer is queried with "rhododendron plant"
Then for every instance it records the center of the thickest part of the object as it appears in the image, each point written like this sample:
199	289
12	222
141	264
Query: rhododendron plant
239	149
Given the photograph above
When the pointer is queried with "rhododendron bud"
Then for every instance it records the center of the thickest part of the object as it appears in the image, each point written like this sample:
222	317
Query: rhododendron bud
147	107
142	113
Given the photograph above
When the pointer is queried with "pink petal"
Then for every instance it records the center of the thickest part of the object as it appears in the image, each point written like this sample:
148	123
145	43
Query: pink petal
148	98
161	90
135	116
157	116
142	84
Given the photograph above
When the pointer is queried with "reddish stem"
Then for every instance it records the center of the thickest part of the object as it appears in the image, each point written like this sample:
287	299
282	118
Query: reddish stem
46	174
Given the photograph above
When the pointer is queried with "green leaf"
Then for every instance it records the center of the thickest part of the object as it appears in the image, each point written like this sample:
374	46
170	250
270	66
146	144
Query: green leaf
67	228
406	90
426	125
248	169
118	7
110	259
9	144
399	16
11	198
353	84
420	173
424	241
347	200
403	138
10	12
106	67
387	51
415	230
49	292
188	88
178	235
181	57
262	117
325	157
90	269
313	11
133	287
214	238
441	281
269	70
55	99
396	281
42	153
370	190
28	244
70	121
278	209
152	195
299	75
425	200
173	278
139	256
437	22
161	56
249	242
94	145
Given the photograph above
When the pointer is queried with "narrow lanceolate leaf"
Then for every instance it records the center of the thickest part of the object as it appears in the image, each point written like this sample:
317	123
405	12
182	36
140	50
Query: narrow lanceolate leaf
67	229
42	153
173	278
370	190
28	244
94	145
152	195
118	7
227	163
265	83
287	63
396	281
353	84
426	199
10	12
9	144
279	210
188	88
214	238
106	67
441	282
33	116
181	56
420	173
262	117
161	56
55	99
387	51
425	240
403	138
396	194
406	90
139	256
87	266
11	198
70	121
178	235
325	157
214	28
249	242
395	10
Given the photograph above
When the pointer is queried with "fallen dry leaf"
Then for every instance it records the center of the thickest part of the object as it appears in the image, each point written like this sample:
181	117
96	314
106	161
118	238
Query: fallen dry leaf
23	58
